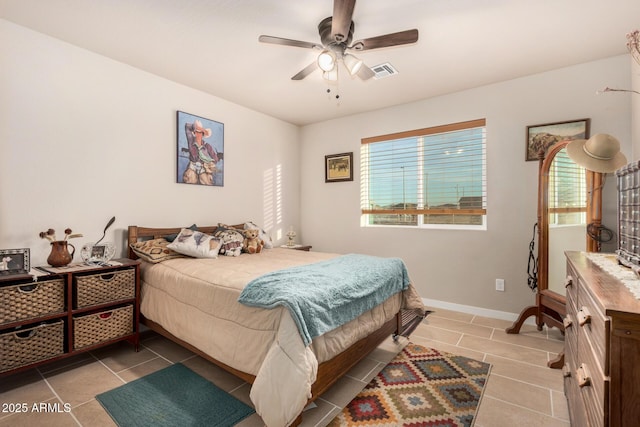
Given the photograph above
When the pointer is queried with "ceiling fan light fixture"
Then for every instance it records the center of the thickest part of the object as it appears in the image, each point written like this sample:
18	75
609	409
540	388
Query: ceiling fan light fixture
331	75
352	63
327	60
336	35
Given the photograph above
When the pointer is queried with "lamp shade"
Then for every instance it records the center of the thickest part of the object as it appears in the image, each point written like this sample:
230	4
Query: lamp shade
352	63
327	60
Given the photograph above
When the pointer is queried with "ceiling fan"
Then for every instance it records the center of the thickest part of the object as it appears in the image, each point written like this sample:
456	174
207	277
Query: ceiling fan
336	34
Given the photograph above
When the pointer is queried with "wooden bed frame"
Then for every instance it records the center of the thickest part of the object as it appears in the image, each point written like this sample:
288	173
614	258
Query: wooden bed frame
329	371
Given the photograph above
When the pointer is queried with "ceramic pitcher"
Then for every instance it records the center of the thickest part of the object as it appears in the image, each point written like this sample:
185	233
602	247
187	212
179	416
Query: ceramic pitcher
60	254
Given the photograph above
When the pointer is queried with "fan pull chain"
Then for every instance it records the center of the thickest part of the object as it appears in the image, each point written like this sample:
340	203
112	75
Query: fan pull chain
336	96
337	91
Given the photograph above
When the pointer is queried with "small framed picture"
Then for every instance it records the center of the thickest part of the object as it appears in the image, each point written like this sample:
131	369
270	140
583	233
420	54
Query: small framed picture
98	252
14	261
338	167
541	137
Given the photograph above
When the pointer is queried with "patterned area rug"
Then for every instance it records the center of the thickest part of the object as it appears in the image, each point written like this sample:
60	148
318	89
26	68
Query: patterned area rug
420	387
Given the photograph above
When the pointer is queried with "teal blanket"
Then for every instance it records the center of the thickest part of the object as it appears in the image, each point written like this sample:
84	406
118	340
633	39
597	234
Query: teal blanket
324	295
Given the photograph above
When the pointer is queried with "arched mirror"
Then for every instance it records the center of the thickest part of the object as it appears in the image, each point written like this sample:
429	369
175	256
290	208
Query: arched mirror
569	201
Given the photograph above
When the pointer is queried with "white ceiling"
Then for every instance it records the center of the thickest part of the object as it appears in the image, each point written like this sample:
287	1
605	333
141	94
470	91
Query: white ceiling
212	45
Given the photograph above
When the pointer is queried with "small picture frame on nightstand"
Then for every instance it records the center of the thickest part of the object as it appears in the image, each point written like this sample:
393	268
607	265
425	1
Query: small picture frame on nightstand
97	254
14	262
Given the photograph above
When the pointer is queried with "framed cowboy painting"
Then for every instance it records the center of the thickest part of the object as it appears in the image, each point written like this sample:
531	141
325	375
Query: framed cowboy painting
200	150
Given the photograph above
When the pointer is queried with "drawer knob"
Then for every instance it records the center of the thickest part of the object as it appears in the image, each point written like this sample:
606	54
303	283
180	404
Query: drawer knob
568	282
582	373
567	322
584	316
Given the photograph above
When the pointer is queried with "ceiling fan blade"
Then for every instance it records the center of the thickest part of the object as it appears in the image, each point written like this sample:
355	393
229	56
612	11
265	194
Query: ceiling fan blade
306	71
388	40
365	73
288	42
341	19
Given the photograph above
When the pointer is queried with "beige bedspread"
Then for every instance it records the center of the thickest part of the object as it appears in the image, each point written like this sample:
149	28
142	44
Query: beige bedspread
196	300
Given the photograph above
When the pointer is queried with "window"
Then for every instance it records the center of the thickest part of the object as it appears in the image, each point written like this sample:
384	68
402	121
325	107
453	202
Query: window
567	191
433	177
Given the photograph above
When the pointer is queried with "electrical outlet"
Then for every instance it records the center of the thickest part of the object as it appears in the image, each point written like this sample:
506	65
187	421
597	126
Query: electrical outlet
500	285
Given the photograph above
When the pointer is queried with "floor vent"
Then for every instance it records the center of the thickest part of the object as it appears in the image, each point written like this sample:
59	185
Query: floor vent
384	70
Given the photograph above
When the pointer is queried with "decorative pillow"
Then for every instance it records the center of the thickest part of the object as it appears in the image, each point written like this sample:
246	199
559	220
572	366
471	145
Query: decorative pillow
171	237
231	240
195	244
154	251
268	243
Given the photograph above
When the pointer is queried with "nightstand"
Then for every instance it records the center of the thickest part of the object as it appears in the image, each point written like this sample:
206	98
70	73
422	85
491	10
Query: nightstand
305	248
67	311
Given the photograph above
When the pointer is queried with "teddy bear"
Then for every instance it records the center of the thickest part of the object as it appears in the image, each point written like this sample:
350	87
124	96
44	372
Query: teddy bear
252	244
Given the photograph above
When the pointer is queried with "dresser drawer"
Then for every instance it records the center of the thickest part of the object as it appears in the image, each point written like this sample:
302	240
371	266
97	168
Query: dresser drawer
23	346
594	325
31	300
571	287
592	383
95	289
94	328
570	320
570	332
577	411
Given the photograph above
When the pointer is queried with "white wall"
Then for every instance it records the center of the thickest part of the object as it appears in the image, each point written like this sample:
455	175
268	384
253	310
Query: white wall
460	267
84	138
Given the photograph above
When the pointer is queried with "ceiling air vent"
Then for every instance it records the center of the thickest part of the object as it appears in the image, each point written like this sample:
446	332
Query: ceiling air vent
384	70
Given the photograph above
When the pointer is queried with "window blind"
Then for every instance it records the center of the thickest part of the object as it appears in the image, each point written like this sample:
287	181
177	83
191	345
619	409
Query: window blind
426	176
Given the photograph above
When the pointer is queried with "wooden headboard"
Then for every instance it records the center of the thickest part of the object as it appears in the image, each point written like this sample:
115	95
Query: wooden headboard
136	234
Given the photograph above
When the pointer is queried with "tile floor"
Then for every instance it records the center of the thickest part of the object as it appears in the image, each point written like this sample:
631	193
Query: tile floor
521	390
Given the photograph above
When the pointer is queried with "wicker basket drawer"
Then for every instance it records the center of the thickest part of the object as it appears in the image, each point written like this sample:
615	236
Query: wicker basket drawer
30	345
31	300
106	287
94	328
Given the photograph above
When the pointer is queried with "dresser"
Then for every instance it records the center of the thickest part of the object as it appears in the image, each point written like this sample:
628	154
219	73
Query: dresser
64	313
602	346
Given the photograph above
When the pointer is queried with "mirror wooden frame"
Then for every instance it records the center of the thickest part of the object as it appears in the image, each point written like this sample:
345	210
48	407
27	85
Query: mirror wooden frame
550	306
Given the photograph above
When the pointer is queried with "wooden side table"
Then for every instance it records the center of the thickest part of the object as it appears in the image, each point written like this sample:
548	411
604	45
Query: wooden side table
67	311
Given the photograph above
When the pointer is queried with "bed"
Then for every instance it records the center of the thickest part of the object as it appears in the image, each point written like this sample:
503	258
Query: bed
194	302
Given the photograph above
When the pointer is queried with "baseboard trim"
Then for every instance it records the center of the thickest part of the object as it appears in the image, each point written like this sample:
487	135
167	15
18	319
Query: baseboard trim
478	311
